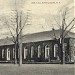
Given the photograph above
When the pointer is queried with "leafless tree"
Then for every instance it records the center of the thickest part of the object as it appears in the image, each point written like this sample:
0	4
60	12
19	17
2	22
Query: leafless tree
18	22
65	29
17	28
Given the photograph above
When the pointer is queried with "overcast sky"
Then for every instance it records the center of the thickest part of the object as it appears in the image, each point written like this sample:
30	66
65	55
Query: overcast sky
41	14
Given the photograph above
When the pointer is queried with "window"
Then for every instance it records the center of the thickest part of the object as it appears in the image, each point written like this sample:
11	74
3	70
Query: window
74	44
8	54
25	53
65	47
47	54
39	51
18	53
55	50
74	53
60	40
32	52
2	53
13	52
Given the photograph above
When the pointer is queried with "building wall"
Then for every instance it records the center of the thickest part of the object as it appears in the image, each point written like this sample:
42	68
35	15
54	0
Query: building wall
42	44
50	51
72	49
4	56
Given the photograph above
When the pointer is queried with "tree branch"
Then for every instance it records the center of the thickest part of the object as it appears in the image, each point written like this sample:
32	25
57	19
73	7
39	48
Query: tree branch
11	27
57	22
69	24
68	31
11	33
23	26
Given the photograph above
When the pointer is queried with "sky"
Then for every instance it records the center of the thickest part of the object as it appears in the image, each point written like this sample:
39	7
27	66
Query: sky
42	14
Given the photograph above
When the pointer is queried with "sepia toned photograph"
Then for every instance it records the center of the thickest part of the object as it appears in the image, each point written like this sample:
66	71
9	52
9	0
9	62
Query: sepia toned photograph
37	37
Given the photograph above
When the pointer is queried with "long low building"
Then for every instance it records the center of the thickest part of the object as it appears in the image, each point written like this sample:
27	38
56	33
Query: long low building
41	47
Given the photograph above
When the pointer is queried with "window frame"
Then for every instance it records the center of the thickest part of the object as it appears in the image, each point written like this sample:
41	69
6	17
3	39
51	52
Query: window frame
3	52
8	54
32	51
39	51
25	52
55	50
47	51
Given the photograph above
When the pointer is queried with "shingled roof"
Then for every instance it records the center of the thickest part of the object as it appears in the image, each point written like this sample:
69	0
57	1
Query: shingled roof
40	36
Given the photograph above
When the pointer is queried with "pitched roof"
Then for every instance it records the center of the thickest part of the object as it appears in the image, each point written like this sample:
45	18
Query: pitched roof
46	35
6	41
40	36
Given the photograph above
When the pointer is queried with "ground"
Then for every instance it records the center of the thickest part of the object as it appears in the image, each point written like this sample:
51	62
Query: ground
37	69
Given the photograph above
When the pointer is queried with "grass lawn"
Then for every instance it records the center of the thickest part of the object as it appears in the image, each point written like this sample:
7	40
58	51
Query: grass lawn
37	69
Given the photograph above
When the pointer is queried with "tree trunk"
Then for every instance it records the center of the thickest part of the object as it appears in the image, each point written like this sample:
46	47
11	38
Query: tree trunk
63	51
15	60
20	52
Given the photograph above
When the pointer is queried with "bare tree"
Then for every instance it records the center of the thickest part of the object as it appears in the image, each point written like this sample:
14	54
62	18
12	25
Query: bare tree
65	29
17	29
